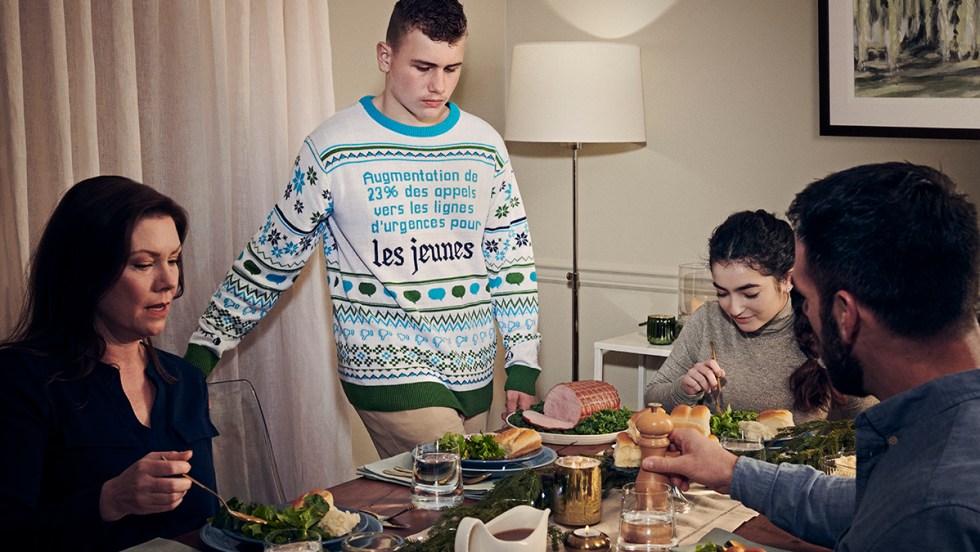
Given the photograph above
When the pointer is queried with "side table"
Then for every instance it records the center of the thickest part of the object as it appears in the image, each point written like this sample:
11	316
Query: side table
637	344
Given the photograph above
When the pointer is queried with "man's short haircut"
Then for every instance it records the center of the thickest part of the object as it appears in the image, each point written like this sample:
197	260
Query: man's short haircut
440	20
900	238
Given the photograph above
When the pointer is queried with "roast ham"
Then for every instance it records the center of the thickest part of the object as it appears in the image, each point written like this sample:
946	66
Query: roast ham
573	401
546	423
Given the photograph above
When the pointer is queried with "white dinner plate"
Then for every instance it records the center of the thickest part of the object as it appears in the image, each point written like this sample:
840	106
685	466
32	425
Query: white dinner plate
571	439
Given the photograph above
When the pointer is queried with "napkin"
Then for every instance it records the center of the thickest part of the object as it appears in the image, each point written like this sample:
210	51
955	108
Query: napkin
376	470
160	545
709	510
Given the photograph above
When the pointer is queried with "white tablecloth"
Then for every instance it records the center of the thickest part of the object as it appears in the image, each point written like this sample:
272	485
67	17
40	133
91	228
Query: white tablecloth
710	509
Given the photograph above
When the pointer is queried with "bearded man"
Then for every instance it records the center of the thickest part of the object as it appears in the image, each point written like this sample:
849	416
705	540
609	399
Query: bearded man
887	261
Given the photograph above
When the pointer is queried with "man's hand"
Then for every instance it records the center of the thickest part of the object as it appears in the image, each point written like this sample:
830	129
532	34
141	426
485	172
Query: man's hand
147	486
515	400
701	461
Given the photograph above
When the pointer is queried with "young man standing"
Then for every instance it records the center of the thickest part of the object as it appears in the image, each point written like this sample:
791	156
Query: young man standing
426	244
887	259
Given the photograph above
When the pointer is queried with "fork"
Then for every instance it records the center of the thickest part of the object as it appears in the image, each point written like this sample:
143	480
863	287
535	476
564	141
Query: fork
233	513
386	520
721	381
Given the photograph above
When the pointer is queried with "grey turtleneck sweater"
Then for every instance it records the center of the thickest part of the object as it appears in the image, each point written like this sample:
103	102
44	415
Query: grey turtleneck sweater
757	365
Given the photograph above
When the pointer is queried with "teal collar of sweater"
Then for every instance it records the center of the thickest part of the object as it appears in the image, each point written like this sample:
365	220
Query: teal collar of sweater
408	130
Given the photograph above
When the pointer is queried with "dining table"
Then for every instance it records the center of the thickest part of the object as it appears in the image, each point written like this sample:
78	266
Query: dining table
385	498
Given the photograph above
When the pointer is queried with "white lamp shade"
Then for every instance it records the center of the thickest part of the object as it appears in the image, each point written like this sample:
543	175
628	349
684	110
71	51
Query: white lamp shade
575	92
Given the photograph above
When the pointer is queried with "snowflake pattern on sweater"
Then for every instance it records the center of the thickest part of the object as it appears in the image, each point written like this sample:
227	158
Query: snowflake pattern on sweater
426	245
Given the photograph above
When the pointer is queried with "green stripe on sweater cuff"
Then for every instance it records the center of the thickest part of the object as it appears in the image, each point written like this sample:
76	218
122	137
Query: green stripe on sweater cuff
521	378
202	358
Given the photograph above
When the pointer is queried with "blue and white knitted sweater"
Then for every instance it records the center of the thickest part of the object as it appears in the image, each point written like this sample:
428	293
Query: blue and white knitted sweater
426	246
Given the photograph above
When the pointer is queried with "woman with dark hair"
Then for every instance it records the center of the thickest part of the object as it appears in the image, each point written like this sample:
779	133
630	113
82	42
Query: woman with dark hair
764	349
98	422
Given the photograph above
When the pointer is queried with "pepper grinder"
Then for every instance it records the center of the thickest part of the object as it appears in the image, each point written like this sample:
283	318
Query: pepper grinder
653	425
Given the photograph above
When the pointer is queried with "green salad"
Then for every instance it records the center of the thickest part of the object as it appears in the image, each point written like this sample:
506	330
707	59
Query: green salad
726	423
608	420
304	518
474	447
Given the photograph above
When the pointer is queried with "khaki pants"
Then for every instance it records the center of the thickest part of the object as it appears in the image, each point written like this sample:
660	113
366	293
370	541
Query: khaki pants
397	432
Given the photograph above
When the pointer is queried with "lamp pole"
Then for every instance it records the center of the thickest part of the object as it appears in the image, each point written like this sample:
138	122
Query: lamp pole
573	275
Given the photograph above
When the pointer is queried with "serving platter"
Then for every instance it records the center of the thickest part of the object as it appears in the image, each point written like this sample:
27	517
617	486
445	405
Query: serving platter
571	439
231	541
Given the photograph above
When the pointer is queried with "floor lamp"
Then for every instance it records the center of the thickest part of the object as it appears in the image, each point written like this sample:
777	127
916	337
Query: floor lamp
575	93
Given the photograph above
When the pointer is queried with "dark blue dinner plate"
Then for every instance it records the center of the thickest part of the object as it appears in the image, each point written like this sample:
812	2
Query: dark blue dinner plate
232	541
497	464
546	457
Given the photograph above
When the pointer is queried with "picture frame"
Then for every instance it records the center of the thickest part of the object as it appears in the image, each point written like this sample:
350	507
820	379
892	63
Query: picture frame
898	92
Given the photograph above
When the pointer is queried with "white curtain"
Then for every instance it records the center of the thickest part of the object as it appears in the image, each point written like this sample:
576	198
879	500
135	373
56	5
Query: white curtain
208	101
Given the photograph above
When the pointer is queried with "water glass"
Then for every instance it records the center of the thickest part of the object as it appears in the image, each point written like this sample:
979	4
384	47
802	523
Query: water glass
292	540
373	542
682	504
437	481
646	521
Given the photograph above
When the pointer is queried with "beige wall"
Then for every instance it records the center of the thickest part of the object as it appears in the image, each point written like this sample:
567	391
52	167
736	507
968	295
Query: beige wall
732	123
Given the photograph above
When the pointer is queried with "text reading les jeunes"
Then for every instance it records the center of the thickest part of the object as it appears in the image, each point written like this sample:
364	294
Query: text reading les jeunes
422	253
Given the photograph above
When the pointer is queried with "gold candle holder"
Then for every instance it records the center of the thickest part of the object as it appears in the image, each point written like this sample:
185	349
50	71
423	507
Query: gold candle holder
587	539
578	491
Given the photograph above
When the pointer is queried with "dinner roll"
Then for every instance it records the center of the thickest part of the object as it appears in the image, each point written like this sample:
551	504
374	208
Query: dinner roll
631	425
627	452
695	417
776	419
327	495
755	431
518	441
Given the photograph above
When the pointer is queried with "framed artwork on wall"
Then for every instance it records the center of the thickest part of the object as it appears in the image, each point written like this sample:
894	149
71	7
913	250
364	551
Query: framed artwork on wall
900	69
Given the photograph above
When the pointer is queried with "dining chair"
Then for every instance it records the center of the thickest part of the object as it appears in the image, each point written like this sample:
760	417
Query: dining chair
244	462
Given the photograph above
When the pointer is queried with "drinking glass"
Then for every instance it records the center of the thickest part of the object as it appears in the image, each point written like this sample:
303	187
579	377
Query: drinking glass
437	481
682	504
646	521
695	287
753	448
292	540
373	542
